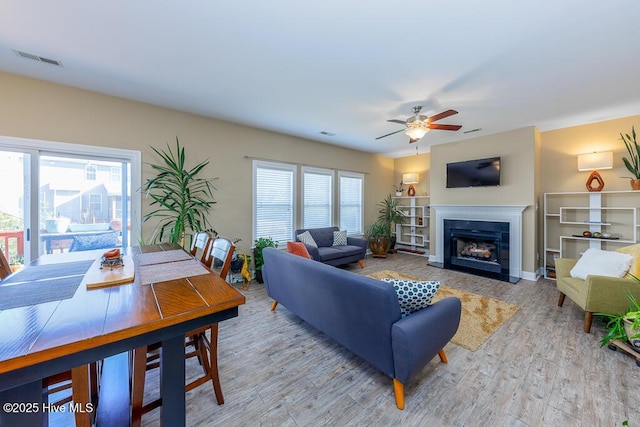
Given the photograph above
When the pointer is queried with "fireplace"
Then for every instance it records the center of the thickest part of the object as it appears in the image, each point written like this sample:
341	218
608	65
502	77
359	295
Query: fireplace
478	247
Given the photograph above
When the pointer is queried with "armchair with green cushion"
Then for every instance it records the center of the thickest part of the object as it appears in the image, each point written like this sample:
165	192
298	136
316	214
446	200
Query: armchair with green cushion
597	294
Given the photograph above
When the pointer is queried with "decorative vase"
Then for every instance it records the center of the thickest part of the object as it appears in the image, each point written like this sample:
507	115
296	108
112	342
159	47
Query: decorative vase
379	246
633	342
398	193
635	184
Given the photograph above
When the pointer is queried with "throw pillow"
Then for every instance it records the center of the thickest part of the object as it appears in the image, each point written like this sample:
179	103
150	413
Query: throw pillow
602	263
298	248
307	239
339	238
413	295
634	251
100	241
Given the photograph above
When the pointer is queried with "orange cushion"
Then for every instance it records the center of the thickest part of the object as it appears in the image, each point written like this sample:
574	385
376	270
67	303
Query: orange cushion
298	248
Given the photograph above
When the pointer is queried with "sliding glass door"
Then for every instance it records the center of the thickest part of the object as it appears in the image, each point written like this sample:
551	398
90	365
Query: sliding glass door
66	197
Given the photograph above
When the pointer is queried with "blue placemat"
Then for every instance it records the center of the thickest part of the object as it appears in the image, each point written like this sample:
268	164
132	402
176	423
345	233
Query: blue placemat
42	283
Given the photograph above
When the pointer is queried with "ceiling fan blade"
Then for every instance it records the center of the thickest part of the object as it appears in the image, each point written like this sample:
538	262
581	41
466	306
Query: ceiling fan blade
442	115
402	122
444	127
392	133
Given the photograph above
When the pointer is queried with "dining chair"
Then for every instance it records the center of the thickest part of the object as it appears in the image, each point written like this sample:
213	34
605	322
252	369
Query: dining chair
197	344
200	245
84	384
5	268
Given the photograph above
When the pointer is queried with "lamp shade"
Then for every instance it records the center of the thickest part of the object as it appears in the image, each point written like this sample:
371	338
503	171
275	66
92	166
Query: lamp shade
593	161
410	178
416	132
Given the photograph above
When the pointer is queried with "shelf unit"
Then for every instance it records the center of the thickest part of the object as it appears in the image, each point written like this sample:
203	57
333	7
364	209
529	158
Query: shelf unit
568	215
414	234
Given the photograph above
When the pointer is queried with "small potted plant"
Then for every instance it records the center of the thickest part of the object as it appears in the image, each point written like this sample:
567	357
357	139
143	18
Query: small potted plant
399	189
625	326
633	162
378	234
259	245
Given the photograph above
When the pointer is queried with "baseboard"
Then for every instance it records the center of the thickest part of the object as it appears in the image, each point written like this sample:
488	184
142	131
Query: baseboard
531	276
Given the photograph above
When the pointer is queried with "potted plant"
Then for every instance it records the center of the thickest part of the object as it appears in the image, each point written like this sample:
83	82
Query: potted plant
391	214
259	244
399	189
633	162
379	239
625	326
181	198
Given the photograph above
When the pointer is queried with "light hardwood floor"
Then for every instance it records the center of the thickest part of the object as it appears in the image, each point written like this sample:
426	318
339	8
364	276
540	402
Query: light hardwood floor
538	369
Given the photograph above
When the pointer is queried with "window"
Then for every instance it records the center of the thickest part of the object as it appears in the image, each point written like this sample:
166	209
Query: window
116	174
90	171
351	201
274	187
95	205
317	194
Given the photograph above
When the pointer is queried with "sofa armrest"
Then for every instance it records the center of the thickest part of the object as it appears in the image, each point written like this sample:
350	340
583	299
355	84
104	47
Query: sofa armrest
564	266
609	294
417	338
357	241
313	251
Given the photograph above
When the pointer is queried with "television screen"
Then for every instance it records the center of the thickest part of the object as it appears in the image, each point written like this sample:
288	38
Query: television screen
474	173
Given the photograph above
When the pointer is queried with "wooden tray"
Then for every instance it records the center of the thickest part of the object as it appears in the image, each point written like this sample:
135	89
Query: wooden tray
100	278
615	344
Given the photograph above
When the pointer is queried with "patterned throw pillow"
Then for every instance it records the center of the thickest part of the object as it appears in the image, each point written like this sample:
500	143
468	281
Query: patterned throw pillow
298	248
100	241
307	239
413	295
339	238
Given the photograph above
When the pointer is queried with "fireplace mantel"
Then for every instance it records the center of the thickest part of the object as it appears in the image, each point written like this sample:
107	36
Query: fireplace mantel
499	213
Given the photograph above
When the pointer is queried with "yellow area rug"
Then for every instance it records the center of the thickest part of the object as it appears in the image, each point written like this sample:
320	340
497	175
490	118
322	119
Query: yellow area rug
481	316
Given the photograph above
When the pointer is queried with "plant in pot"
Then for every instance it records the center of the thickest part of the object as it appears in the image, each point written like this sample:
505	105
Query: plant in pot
624	327
633	162
391	214
399	189
259	245
379	240
181	198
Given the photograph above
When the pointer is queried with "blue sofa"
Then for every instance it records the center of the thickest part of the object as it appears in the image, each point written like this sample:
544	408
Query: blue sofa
362	314
353	251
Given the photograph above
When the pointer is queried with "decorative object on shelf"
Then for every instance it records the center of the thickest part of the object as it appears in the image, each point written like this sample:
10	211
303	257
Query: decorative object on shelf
410	178
181	198
399	189
594	162
633	162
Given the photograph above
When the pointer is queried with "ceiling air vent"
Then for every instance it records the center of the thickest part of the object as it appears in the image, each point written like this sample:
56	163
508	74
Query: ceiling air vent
324	132
37	58
473	130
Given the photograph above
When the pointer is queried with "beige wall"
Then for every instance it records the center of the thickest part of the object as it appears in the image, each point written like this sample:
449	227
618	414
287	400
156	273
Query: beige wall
39	110
421	164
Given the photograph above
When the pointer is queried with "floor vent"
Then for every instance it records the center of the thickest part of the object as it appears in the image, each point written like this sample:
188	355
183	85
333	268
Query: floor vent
37	58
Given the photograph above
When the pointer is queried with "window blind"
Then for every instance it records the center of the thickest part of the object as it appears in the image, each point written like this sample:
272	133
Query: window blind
274	197
317	208
351	202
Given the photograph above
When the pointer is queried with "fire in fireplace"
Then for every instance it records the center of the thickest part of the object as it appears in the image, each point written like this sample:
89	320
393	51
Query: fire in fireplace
478	247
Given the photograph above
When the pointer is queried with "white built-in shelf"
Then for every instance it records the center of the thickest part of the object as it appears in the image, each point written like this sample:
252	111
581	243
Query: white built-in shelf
416	210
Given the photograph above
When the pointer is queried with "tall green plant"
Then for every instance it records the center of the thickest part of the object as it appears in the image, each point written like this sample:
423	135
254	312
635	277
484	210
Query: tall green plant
633	162
181	198
390	213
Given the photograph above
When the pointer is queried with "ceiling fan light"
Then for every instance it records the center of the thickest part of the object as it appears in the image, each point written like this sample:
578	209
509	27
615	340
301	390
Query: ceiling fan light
416	132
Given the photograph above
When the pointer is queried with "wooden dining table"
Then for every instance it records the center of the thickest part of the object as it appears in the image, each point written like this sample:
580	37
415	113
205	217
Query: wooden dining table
51	322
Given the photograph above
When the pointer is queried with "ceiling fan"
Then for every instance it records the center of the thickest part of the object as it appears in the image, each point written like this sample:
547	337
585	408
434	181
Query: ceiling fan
419	124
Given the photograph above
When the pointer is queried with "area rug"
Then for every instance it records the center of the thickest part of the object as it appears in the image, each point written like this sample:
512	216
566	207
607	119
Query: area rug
481	316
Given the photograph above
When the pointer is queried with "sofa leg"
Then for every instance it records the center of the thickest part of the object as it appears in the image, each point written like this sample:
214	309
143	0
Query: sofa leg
273	306
561	299
361	262
588	319
443	357
398	389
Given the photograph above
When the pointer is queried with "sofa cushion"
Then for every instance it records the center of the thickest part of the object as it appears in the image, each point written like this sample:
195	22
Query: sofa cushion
307	239
90	242
601	263
298	248
413	295
335	252
339	238
634	251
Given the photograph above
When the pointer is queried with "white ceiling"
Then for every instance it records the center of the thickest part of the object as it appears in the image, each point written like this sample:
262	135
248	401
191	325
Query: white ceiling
343	66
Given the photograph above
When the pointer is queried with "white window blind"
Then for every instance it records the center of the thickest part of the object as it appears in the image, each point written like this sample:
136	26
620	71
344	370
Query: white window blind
351	201
274	195
317	207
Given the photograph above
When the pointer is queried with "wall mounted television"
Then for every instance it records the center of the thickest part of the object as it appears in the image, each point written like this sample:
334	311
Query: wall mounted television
474	173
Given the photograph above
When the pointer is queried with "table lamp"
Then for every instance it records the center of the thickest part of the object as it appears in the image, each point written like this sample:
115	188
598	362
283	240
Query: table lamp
594	162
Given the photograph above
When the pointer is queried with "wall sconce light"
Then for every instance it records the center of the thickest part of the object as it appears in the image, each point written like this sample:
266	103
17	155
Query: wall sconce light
594	162
410	178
